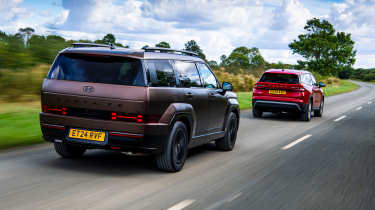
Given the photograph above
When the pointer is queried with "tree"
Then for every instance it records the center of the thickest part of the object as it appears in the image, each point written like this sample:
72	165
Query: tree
325	51
194	47
279	65
163	44
245	58
345	73
26	33
109	39
223	58
212	63
3	36
239	58
256	59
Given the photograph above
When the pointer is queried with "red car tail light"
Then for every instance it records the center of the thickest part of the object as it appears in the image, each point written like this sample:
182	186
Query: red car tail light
259	86
54	109
298	88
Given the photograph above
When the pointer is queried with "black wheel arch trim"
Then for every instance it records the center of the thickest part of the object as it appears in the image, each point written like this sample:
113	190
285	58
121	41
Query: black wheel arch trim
232	108
180	112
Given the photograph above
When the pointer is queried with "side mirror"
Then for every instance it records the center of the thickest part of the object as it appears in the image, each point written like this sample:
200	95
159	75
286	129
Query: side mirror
227	86
321	84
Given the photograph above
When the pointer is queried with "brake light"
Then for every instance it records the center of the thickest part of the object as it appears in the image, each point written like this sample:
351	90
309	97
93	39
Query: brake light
122	117
54	109
298	88
259	86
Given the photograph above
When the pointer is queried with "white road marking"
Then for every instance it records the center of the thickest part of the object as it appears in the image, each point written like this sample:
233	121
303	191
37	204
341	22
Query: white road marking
359	108
370	102
224	201
234	197
296	142
340	118
182	204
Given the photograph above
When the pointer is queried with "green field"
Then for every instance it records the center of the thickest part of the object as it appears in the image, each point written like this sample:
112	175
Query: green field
19	122
244	98
344	87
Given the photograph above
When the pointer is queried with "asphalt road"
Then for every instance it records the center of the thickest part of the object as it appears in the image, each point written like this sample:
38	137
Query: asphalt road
278	163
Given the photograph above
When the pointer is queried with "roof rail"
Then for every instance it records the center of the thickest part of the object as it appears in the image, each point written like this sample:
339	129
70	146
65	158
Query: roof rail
168	50
81	44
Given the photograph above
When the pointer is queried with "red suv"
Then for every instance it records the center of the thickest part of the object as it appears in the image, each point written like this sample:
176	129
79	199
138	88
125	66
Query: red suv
284	90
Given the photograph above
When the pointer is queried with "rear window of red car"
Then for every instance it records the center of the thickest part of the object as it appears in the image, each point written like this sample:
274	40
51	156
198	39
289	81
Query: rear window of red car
280	78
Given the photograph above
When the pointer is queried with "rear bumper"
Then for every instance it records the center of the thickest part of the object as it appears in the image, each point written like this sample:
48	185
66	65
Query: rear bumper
265	105
124	136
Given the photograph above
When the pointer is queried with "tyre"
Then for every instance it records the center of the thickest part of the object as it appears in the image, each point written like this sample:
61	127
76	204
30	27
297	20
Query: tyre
306	114
69	151
228	141
319	113
174	154
257	113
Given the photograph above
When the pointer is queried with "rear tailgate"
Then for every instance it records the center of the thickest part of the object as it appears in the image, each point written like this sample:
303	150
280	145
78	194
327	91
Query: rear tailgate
95	96
278	91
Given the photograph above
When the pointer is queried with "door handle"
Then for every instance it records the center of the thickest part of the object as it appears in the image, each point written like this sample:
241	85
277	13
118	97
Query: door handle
189	95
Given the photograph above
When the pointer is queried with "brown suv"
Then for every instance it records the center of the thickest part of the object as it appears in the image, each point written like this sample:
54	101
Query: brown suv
153	100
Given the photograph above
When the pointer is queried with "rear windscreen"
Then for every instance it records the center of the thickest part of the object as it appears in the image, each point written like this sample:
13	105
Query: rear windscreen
98	69
280	78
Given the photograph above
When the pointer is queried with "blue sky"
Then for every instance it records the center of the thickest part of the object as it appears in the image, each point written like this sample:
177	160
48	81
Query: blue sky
218	26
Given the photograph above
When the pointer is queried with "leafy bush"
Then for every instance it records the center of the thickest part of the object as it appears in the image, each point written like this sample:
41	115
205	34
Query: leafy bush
369	77
240	81
22	85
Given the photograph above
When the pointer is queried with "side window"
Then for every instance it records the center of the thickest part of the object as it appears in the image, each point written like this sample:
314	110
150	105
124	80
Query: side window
187	74
306	79
313	80
160	73
209	80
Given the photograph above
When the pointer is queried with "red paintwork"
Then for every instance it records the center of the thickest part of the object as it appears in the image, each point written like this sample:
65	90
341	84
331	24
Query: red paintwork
296	93
286	71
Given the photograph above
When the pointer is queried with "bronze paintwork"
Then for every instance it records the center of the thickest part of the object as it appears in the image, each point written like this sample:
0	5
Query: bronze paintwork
203	110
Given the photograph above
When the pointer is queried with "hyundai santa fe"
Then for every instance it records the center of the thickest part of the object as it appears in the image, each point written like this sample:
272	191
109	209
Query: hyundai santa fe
293	91
154	100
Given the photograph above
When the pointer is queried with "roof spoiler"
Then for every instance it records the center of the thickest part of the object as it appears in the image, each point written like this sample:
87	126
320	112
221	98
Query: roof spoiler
81	44
168	50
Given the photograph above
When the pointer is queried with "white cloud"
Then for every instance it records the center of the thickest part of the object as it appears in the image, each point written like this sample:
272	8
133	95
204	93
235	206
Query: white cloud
292	15
365	61
276	55
218	26
358	18
10	10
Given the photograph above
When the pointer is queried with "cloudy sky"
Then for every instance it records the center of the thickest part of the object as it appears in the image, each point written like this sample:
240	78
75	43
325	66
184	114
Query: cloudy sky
218	26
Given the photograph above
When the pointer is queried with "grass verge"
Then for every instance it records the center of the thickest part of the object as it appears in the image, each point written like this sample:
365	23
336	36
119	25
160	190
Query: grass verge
344	86
19	124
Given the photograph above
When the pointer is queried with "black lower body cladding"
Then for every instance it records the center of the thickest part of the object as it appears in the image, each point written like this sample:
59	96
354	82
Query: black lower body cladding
134	137
278	106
